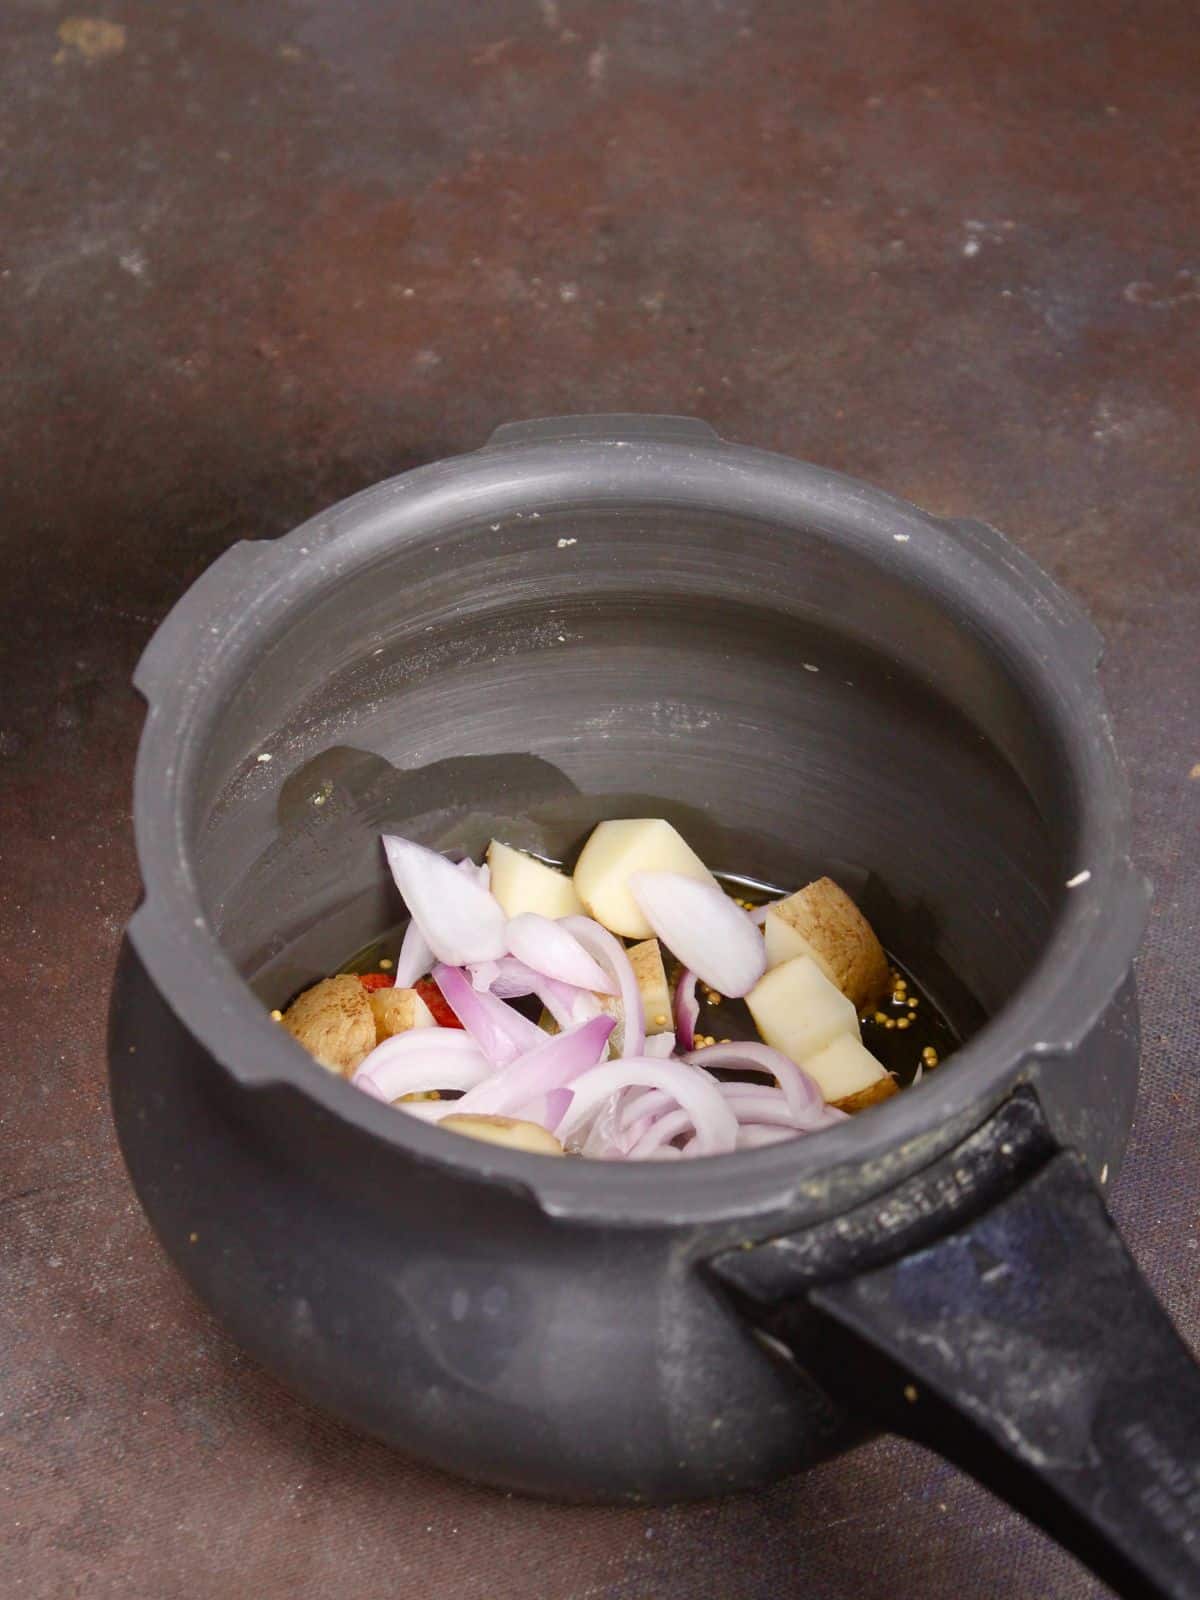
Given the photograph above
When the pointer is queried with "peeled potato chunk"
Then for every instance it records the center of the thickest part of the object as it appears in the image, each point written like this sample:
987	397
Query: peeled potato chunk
822	922
334	1022
508	1131
398	1010
849	1076
523	883
647	963
799	1011
618	849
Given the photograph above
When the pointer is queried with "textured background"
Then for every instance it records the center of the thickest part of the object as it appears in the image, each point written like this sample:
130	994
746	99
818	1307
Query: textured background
255	257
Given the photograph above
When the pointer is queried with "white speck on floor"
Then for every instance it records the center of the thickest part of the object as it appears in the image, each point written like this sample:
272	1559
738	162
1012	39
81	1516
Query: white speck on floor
1079	879
565	544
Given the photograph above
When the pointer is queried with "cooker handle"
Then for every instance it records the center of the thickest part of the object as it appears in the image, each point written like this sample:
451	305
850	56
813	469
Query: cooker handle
987	1308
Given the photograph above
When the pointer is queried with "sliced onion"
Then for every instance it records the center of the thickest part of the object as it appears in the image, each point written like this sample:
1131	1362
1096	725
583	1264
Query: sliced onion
660	1132
756	1103
555	1063
599	1135
483	975
415	958
749	1101
645	1107
695	1092
508	978
566	1005
640	1126
481	873
626	1118
759	915
659	1046
687	1009
610	953
500	1032
800	1090
753	1135
459	919
548	1109
707	930
421	1060
551	949
557	1102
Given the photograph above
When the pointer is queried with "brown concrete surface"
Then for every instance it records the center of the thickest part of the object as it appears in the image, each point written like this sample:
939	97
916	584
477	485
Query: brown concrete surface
256	256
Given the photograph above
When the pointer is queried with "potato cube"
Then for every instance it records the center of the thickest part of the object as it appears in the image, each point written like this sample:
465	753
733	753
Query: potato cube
798	1011
523	883
509	1131
647	963
849	1075
618	849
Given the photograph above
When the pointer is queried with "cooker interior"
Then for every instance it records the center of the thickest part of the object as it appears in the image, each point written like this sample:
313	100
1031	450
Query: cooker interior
796	703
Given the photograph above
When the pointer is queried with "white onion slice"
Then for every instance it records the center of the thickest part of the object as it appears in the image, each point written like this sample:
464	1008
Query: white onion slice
555	1063
754	1135
706	930
554	951
654	1101
415	958
610	953
421	1060
659	1046
801	1091
756	1103
687	1009
459	919
566	1005
694	1092
665	1128
750	1103
599	1135
482	873
500	1032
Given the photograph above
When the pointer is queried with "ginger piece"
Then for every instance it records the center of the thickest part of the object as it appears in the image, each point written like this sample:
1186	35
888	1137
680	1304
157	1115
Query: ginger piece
821	921
334	1022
